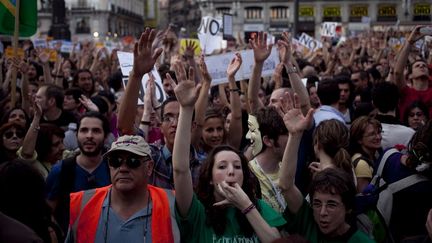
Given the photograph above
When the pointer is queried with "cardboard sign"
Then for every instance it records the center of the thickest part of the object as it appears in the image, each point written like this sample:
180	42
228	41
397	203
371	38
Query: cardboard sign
126	64
218	64
195	42
309	42
10	53
208	34
330	29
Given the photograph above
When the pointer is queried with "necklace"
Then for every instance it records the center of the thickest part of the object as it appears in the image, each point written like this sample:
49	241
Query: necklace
146	216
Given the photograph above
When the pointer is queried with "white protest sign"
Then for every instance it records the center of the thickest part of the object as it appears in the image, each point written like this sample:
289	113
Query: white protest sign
40	43
309	42
330	29
208	34
217	66
126	64
66	47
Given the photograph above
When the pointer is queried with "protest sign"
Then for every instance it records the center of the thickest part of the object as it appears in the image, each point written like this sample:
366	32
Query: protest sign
196	42
208	34
309	42
40	43
126	64
331	29
217	66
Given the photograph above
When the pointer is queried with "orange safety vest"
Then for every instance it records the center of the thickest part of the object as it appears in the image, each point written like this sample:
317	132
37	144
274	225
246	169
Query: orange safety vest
86	207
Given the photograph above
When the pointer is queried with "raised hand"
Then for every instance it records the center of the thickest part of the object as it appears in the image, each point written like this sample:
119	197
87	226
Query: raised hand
23	67
234	65
37	110
204	71
43	55
260	48
415	35
284	48
292	116
88	103
234	195
144	56
186	90
189	50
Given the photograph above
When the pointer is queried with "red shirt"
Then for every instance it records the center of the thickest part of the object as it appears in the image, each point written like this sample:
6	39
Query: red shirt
409	95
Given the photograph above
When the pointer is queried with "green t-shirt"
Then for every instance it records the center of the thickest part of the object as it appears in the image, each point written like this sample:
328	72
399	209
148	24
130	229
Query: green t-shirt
303	223
193	227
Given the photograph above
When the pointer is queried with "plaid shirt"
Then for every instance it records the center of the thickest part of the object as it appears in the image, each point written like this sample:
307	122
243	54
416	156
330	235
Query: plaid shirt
162	175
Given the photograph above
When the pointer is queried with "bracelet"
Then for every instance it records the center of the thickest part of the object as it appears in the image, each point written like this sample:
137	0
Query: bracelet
147	123
35	129
248	209
234	90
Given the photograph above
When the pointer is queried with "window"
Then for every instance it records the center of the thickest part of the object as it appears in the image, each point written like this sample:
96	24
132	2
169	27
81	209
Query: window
253	13
223	10
279	12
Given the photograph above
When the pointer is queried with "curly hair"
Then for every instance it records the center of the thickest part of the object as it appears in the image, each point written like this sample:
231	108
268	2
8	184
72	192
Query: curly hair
420	149
333	137
205	192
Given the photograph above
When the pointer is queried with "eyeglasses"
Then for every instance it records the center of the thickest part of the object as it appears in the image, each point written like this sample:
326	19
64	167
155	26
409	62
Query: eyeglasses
131	162
413	114
330	206
10	134
170	118
374	134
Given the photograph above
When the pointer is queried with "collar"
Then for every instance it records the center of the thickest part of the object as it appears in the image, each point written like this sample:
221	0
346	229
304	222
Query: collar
387	119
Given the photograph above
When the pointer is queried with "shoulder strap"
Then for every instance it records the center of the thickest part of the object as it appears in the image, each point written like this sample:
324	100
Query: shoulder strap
67	175
357	160
385	200
386	155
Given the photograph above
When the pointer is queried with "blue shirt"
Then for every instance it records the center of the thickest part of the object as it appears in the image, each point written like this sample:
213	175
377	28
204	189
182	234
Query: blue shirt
326	112
84	180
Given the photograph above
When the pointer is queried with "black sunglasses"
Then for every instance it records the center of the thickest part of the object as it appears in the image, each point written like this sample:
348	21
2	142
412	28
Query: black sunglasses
131	162
9	134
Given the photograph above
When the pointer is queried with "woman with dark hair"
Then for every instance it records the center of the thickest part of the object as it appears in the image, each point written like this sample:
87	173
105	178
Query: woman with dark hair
23	198
43	144
365	143
411	205
226	206
16	114
11	135
34	72
416	115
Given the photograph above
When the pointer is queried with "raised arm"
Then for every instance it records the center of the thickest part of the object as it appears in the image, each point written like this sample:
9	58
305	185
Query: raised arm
144	60
261	52
234	138
296	123
43	56
148	107
293	73
403	57
202	102
187	94
29	143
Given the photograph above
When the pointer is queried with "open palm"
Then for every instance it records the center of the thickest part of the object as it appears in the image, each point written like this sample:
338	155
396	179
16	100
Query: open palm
234	65
186	91
293	118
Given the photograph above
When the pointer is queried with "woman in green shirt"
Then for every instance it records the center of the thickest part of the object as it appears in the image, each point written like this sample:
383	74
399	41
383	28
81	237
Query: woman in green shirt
225	208
332	191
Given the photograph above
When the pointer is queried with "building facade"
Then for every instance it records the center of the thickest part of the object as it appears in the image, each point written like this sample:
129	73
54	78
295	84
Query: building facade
101	18
276	16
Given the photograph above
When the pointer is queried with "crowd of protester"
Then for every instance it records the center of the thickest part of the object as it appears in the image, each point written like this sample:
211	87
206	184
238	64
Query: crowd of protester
310	154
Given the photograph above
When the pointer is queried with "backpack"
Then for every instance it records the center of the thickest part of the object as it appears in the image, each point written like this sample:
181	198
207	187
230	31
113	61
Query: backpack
374	208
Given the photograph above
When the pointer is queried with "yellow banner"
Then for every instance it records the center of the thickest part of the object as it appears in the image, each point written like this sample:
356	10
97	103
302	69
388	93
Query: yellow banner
332	11
306	11
359	11
422	9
